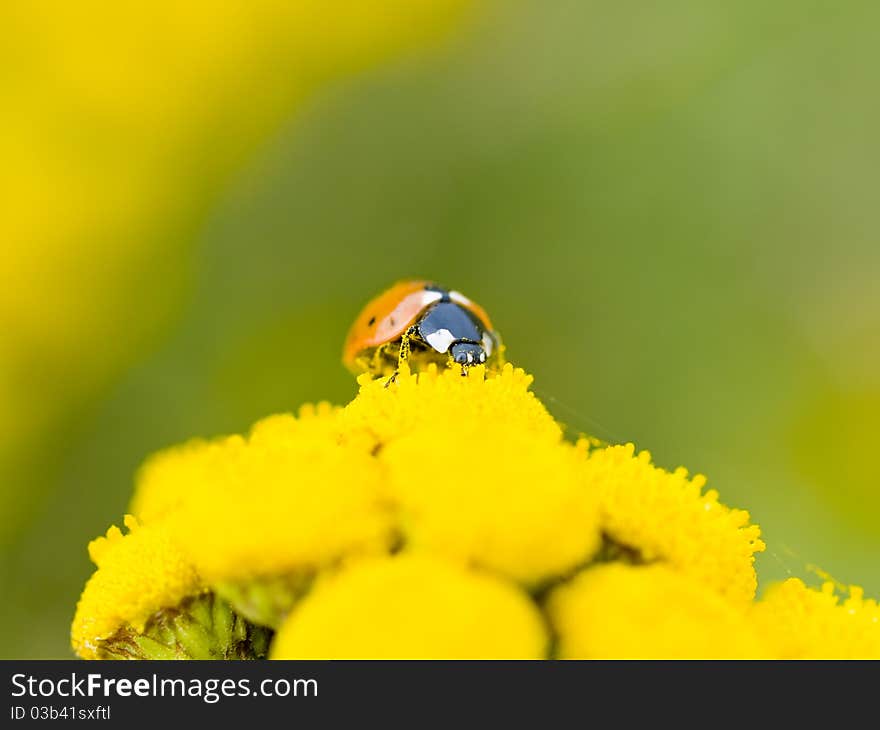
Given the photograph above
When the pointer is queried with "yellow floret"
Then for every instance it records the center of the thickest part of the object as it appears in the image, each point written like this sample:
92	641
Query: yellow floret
138	574
805	623
484	400
618	611
666	516
412	606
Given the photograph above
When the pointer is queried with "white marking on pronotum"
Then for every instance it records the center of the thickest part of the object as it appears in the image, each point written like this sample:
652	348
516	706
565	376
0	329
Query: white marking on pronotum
488	344
440	340
460	299
429	297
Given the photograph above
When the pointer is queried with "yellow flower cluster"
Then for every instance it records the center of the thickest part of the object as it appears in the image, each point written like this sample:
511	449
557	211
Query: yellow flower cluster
446	516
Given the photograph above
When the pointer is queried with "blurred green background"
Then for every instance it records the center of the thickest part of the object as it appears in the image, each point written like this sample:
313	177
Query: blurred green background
669	209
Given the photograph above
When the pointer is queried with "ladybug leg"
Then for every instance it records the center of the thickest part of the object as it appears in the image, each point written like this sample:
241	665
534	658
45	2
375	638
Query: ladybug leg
405	346
403	353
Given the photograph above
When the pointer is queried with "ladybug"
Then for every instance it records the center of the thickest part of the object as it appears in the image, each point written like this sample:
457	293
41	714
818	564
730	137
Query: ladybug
420	322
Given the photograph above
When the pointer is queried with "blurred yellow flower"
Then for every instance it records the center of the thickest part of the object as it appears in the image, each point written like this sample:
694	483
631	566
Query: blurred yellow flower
285	500
805	623
618	611
120	124
446	516
412	607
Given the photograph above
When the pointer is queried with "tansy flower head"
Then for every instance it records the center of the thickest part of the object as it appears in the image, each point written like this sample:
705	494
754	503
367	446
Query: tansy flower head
618	611
805	623
146	600
412	607
289	500
500	401
138	575
666	516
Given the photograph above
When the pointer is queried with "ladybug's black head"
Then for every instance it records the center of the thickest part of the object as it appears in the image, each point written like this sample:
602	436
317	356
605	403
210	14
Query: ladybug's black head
468	353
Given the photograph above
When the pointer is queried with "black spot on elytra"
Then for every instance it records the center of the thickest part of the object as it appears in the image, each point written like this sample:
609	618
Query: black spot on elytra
372	321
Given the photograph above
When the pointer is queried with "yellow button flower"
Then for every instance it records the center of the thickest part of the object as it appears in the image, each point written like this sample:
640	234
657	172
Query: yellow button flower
666	516
618	611
805	623
138	575
412	607
146	601
435	396
289	498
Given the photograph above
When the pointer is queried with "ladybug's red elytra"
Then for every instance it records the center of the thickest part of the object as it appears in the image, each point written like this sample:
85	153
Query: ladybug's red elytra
419	322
